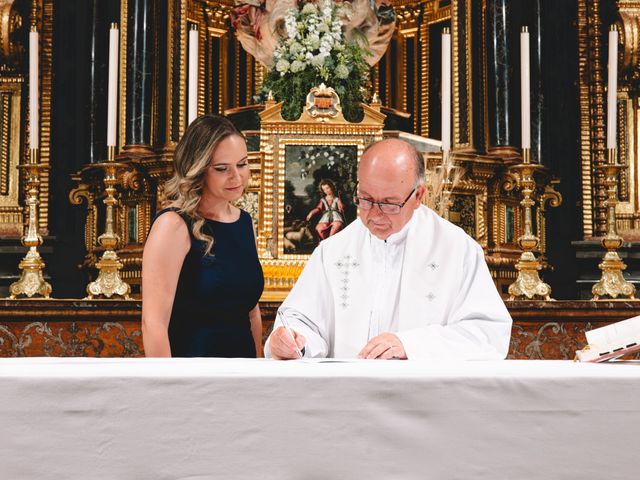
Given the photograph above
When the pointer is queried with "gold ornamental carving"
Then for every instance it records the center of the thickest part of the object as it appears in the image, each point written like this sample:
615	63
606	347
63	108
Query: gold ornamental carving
629	27
592	116
323	103
12	213
612	283
108	283
31	280
11	22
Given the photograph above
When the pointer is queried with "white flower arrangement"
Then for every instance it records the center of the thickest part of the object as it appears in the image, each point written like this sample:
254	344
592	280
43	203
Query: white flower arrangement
312	34
313	49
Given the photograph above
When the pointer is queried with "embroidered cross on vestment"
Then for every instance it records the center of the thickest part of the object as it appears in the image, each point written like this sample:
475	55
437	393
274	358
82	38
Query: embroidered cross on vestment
345	266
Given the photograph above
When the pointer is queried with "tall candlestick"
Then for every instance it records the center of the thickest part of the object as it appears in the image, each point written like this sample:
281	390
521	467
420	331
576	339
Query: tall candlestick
112	101
612	92
34	128
446	89
192	110
525	88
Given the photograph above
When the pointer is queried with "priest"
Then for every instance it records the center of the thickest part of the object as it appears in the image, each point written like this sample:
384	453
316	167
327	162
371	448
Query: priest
400	282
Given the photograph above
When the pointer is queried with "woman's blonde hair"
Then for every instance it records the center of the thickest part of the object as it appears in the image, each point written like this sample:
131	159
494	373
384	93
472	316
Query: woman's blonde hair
192	158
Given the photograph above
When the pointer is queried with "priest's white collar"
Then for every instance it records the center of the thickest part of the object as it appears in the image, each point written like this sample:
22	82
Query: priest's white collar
395	239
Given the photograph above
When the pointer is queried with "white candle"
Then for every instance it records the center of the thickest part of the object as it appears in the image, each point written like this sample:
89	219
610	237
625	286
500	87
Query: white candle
192	109
612	92
446	90
525	88
34	128
112	98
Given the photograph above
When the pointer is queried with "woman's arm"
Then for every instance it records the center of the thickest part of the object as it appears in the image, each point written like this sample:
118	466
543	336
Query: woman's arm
255	318
164	253
256	329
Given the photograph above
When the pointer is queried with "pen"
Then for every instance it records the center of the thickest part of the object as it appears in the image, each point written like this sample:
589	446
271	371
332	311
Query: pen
285	324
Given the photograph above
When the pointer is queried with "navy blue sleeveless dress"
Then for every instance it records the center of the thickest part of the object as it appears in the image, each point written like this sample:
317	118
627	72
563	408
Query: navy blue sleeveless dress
210	315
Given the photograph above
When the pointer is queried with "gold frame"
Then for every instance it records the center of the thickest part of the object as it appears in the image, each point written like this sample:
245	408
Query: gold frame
282	270
280	176
11	210
457	145
432	15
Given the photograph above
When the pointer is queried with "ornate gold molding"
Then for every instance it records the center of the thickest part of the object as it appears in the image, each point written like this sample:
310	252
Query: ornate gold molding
408	22
122	75
216	16
431	15
461	83
83	192
628	207
11	211
11	22
629	28
592	117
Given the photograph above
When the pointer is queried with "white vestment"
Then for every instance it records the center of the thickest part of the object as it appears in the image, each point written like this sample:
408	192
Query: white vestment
428	283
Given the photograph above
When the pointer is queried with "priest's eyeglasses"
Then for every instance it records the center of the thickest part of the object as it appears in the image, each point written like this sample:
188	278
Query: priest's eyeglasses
388	208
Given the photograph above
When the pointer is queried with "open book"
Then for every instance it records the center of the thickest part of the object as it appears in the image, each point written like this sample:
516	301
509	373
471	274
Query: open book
611	342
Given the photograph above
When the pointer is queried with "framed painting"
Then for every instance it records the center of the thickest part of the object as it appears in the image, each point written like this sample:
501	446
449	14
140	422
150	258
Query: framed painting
319	184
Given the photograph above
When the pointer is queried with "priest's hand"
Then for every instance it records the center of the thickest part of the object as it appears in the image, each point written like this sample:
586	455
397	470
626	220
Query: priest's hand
281	344
385	346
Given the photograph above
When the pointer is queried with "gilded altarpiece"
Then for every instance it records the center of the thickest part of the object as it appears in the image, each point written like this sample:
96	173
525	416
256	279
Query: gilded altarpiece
407	80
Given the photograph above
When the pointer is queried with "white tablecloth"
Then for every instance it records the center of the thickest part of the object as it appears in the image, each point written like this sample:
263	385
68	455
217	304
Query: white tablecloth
258	419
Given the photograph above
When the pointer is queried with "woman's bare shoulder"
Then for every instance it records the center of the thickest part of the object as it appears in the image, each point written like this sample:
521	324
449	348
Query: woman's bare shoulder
170	226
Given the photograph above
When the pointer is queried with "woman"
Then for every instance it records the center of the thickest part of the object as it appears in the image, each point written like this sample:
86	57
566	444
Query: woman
332	209
201	277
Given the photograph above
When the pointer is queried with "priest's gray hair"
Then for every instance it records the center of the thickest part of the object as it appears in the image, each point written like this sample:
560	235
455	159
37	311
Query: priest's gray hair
419	164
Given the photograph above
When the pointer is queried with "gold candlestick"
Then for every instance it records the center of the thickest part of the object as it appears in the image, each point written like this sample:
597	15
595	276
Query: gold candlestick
109	282
612	282
31	280
528	284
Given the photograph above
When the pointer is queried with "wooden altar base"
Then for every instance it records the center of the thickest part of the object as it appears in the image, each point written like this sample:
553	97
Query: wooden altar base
111	328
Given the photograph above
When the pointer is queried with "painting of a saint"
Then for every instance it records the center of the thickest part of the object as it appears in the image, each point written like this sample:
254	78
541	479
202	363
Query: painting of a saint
319	185
332	210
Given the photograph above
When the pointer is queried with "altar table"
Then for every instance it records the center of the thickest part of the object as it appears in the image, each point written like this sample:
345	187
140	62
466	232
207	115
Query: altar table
233	419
